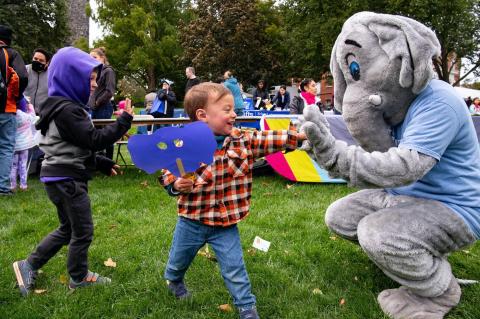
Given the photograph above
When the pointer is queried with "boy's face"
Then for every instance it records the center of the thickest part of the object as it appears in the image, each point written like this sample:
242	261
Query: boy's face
219	115
93	82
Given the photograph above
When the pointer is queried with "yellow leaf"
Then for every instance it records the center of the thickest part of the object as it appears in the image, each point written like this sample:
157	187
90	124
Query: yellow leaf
317	291
333	237
290	186
144	184
40	291
342	302
110	263
225	308
63	279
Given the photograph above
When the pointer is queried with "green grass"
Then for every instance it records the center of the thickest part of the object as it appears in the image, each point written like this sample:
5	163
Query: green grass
134	222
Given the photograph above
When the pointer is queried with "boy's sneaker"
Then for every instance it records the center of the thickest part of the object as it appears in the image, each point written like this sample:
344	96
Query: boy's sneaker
92	278
25	276
178	289
250	313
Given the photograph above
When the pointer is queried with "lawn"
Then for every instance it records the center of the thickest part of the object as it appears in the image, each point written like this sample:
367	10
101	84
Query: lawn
307	273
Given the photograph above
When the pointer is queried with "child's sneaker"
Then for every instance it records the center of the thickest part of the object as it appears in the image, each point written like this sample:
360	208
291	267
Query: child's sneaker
250	313
25	276
178	289
92	278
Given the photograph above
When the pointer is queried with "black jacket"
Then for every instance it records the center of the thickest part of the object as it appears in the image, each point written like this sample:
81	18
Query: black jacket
105	89
69	139
16	62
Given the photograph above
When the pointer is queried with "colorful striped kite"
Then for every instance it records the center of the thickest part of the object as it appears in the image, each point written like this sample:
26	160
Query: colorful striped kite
296	166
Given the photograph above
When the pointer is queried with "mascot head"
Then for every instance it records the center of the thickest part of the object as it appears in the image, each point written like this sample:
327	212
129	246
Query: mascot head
379	64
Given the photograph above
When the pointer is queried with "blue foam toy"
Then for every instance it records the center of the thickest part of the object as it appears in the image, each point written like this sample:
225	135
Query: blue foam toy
193	144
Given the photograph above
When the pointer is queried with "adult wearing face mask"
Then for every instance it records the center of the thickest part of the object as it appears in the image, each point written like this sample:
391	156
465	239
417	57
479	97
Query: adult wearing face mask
37	89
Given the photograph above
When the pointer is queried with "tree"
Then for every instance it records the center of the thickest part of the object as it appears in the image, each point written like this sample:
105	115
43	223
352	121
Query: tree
36	23
316	24
457	26
227	35
142	40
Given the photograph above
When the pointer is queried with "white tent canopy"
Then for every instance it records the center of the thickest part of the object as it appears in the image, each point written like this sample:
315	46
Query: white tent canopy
466	92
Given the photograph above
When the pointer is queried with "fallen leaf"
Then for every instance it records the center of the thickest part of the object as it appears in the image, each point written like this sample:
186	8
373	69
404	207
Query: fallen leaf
40	271
333	237
144	184
286	252
290	186
264	184
317	291
110	263
63	279
268	194
251	251
207	254
342	302
225	308
355	278
466	251
40	291
112	226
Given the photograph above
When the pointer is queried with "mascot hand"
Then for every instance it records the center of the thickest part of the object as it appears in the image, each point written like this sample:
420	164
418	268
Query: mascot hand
319	137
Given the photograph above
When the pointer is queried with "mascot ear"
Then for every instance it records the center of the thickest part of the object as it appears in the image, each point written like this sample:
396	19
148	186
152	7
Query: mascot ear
411	42
338	79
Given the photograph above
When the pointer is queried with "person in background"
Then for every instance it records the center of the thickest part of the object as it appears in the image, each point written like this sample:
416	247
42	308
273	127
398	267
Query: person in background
192	80
100	100
231	83
164	104
307	97
282	98
23	142
260	95
13	69
37	89
149	98
475	106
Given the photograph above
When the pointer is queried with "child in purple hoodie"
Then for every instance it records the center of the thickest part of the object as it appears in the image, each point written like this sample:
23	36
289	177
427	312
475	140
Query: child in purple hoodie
69	141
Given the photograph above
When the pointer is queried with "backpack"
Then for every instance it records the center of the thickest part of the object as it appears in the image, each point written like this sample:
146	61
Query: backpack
9	87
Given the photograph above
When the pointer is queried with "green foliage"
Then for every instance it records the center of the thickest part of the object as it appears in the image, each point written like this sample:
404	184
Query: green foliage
229	35
82	44
134	222
141	38
36	23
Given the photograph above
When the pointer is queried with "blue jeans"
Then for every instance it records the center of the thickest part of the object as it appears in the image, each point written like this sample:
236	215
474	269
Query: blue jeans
8	129
190	236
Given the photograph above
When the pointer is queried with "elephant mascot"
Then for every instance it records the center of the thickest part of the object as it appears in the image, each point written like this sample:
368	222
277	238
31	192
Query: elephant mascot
417	163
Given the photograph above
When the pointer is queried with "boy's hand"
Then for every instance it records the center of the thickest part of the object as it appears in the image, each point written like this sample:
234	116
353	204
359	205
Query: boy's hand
115	169
128	106
301	136
183	185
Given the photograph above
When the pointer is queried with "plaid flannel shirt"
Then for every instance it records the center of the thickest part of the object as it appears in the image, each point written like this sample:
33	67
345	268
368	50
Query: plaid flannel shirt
222	190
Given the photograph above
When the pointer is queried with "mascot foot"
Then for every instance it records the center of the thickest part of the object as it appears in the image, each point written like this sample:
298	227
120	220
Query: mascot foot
401	303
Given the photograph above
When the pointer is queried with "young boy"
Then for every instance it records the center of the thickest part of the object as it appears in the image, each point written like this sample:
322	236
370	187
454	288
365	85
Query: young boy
69	141
210	207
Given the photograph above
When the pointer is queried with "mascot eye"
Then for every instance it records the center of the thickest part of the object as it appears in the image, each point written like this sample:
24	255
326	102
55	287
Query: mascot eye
353	66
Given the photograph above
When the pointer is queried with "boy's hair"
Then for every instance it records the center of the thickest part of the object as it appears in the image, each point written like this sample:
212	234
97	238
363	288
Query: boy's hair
48	55
199	96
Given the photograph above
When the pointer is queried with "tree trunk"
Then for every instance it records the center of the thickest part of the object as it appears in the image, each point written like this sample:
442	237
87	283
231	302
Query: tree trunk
151	79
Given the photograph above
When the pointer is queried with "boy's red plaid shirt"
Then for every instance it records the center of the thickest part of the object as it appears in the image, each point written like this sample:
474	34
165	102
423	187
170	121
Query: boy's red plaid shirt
222	190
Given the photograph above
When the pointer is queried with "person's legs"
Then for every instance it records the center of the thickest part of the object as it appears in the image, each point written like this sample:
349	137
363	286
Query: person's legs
227	247
8	127
14	171
342	216
188	238
410	242
60	237
22	168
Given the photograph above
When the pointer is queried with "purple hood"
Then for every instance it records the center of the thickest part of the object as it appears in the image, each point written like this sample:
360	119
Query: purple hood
69	74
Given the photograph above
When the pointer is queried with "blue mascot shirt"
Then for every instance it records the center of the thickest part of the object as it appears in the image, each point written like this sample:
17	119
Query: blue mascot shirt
438	124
